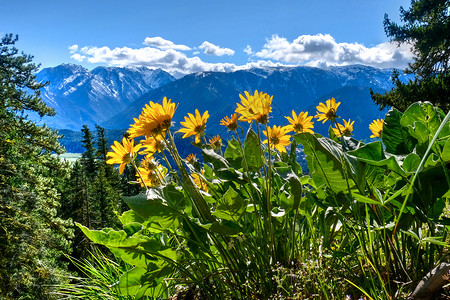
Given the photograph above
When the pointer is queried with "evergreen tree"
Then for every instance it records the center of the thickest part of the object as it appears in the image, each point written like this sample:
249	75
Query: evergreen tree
107	183
426	27
32	236
89	155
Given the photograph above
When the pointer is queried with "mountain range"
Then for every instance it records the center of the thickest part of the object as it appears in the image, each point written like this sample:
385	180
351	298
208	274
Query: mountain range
83	97
113	96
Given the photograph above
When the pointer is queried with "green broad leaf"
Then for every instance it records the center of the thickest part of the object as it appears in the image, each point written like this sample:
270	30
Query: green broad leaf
130	282
296	190
282	167
135	257
154	279
231	206
208	172
132	228
112	238
223	228
324	166
411	163
420	132
394	136
252	151
130	217
446	151
231	174
157	215
364	199
210	156
174	197
233	154
332	135
423	119
373	154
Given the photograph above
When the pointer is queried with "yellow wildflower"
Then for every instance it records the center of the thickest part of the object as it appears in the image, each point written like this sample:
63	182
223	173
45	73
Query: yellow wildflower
230	123
122	153
254	107
154	120
216	142
376	127
152	145
300	123
151	177
327	112
200	182
194	125
346	129
191	158
278	137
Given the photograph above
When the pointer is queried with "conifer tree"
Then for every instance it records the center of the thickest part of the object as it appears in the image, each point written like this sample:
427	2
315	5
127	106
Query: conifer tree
32	237
426	27
89	155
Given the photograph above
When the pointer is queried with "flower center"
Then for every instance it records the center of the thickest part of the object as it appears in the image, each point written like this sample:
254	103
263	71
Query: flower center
127	158
274	140
298	127
331	114
262	119
199	128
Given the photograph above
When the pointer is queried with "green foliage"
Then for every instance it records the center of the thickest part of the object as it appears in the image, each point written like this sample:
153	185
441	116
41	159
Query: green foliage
366	221
32	236
426	28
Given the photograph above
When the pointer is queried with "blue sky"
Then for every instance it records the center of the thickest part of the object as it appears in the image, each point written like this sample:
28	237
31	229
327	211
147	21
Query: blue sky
189	36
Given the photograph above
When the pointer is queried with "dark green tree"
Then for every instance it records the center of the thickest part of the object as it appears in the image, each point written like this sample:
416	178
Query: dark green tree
426	27
32	237
89	155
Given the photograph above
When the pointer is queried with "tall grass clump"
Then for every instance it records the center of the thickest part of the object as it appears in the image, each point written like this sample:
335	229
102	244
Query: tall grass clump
246	222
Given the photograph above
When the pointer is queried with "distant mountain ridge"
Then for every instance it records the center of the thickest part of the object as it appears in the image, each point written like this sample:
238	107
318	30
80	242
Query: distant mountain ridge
113	96
298	88
80	96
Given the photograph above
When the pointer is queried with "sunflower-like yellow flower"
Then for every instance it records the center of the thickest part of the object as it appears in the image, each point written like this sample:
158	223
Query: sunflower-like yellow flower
152	176
230	123
191	158
200	182
122	153
300	123
327	112
216	142
152	145
346	129
254	107
154	120
194	125
376	127
277	137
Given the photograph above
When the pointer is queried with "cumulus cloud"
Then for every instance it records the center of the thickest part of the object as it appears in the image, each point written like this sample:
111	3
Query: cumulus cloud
73	48
248	50
310	50
322	49
170	60
164	44
212	49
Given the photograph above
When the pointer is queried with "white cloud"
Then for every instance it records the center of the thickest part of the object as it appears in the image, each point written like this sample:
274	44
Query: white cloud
322	49
172	61
163	44
78	57
212	49
248	50
73	48
311	50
